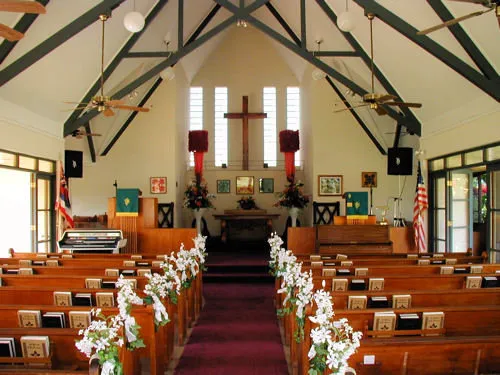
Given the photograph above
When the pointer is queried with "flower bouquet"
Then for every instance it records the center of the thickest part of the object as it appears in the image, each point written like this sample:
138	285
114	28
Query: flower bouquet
196	196
247	203
292	196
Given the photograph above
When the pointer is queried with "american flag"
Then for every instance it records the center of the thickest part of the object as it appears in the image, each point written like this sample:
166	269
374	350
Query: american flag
63	204
419	207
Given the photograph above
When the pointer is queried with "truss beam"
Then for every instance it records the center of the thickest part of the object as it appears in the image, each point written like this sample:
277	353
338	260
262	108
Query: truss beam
491	87
90	142
283	24
61	36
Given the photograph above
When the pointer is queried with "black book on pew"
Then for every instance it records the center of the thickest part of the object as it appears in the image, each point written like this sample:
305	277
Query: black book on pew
53	320
425	256
489	282
82	299
331	264
408	322
343	272
438	261
7	347
108	285
142	264
39	263
128	272
461	270
12	271
377	302
358	284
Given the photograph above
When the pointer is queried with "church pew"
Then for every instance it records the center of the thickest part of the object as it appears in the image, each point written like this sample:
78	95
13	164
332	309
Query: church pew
369	261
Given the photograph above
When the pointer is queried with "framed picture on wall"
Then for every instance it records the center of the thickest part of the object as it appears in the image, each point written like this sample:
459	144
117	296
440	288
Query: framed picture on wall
266	185
368	179
223	186
244	185
158	185
330	185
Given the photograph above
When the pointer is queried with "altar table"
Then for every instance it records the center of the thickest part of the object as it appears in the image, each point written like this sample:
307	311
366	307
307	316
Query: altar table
254	217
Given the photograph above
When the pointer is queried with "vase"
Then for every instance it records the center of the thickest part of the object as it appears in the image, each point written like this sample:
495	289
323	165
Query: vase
293	212
198	215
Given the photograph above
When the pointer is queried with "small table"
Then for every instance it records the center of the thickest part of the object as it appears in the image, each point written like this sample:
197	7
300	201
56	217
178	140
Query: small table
254	216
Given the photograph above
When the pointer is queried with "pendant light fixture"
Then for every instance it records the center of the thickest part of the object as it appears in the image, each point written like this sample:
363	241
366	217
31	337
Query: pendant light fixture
318	74
345	21
134	21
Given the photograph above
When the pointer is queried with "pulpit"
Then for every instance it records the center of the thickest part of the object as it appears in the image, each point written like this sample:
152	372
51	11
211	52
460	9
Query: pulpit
235	219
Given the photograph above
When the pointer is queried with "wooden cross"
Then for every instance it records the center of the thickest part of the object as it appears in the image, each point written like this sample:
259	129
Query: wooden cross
245	116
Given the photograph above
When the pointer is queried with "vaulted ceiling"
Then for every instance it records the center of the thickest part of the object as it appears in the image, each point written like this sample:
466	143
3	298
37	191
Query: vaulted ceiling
453	72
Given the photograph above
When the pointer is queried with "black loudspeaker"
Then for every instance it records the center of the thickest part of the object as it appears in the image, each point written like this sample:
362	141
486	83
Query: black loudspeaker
73	164
400	161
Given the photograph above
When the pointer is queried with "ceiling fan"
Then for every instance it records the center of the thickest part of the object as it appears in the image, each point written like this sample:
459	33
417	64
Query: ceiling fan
79	134
101	102
374	100
490	4
17	6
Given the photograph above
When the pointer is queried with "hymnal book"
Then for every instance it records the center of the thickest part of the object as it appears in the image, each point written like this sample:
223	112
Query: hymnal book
460	270
329	264
412	256
1	270
104	299
128	272
156	263
41	256
108	285
314	258
401	301
341	257
143	272
35	346
376	283
25	271
62	298
66	256
424	262
1	282
79	319
446	270
136	256
476	269
112	272
39	263
438	255
12	271
93	283
316	264
82	299
162	257
346	263
29	318
378	302
432	320
357	302
343	272
7	347
384	321
53	320
129	263
358	284
142	264
438	261
425	256
489	282
339	285
25	263
473	282
451	261
408	322
329	272
360	271
133	283
52	263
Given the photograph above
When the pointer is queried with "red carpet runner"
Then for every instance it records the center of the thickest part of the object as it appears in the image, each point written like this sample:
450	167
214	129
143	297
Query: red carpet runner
236	334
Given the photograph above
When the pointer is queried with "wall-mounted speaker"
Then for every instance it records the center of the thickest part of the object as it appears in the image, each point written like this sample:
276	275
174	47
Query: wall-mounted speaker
73	164
400	161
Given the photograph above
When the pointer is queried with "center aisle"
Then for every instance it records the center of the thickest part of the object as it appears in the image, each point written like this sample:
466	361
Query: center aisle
237	333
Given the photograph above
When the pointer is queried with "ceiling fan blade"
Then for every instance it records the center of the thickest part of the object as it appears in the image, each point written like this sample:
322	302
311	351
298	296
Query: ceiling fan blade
10	34
19	6
405	104
381	111
72	109
108	112
350	107
483	2
452	22
132	108
386	97
114	103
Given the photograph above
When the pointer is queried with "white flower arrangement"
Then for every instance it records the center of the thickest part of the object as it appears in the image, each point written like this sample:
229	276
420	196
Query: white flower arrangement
201	246
125	299
172	280
156	289
187	265
333	342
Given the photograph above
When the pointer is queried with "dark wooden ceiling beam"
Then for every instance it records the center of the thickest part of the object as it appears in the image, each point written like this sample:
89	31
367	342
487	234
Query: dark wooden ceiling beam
283	24
22	26
54	41
90	142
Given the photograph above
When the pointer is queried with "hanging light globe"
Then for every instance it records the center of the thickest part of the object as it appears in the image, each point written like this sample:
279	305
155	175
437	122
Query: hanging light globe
134	21
345	22
318	74
167	74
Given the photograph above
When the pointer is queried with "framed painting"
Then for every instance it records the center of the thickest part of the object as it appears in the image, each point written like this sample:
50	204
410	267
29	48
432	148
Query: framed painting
223	186
266	185
330	185
368	179
244	185
158	185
